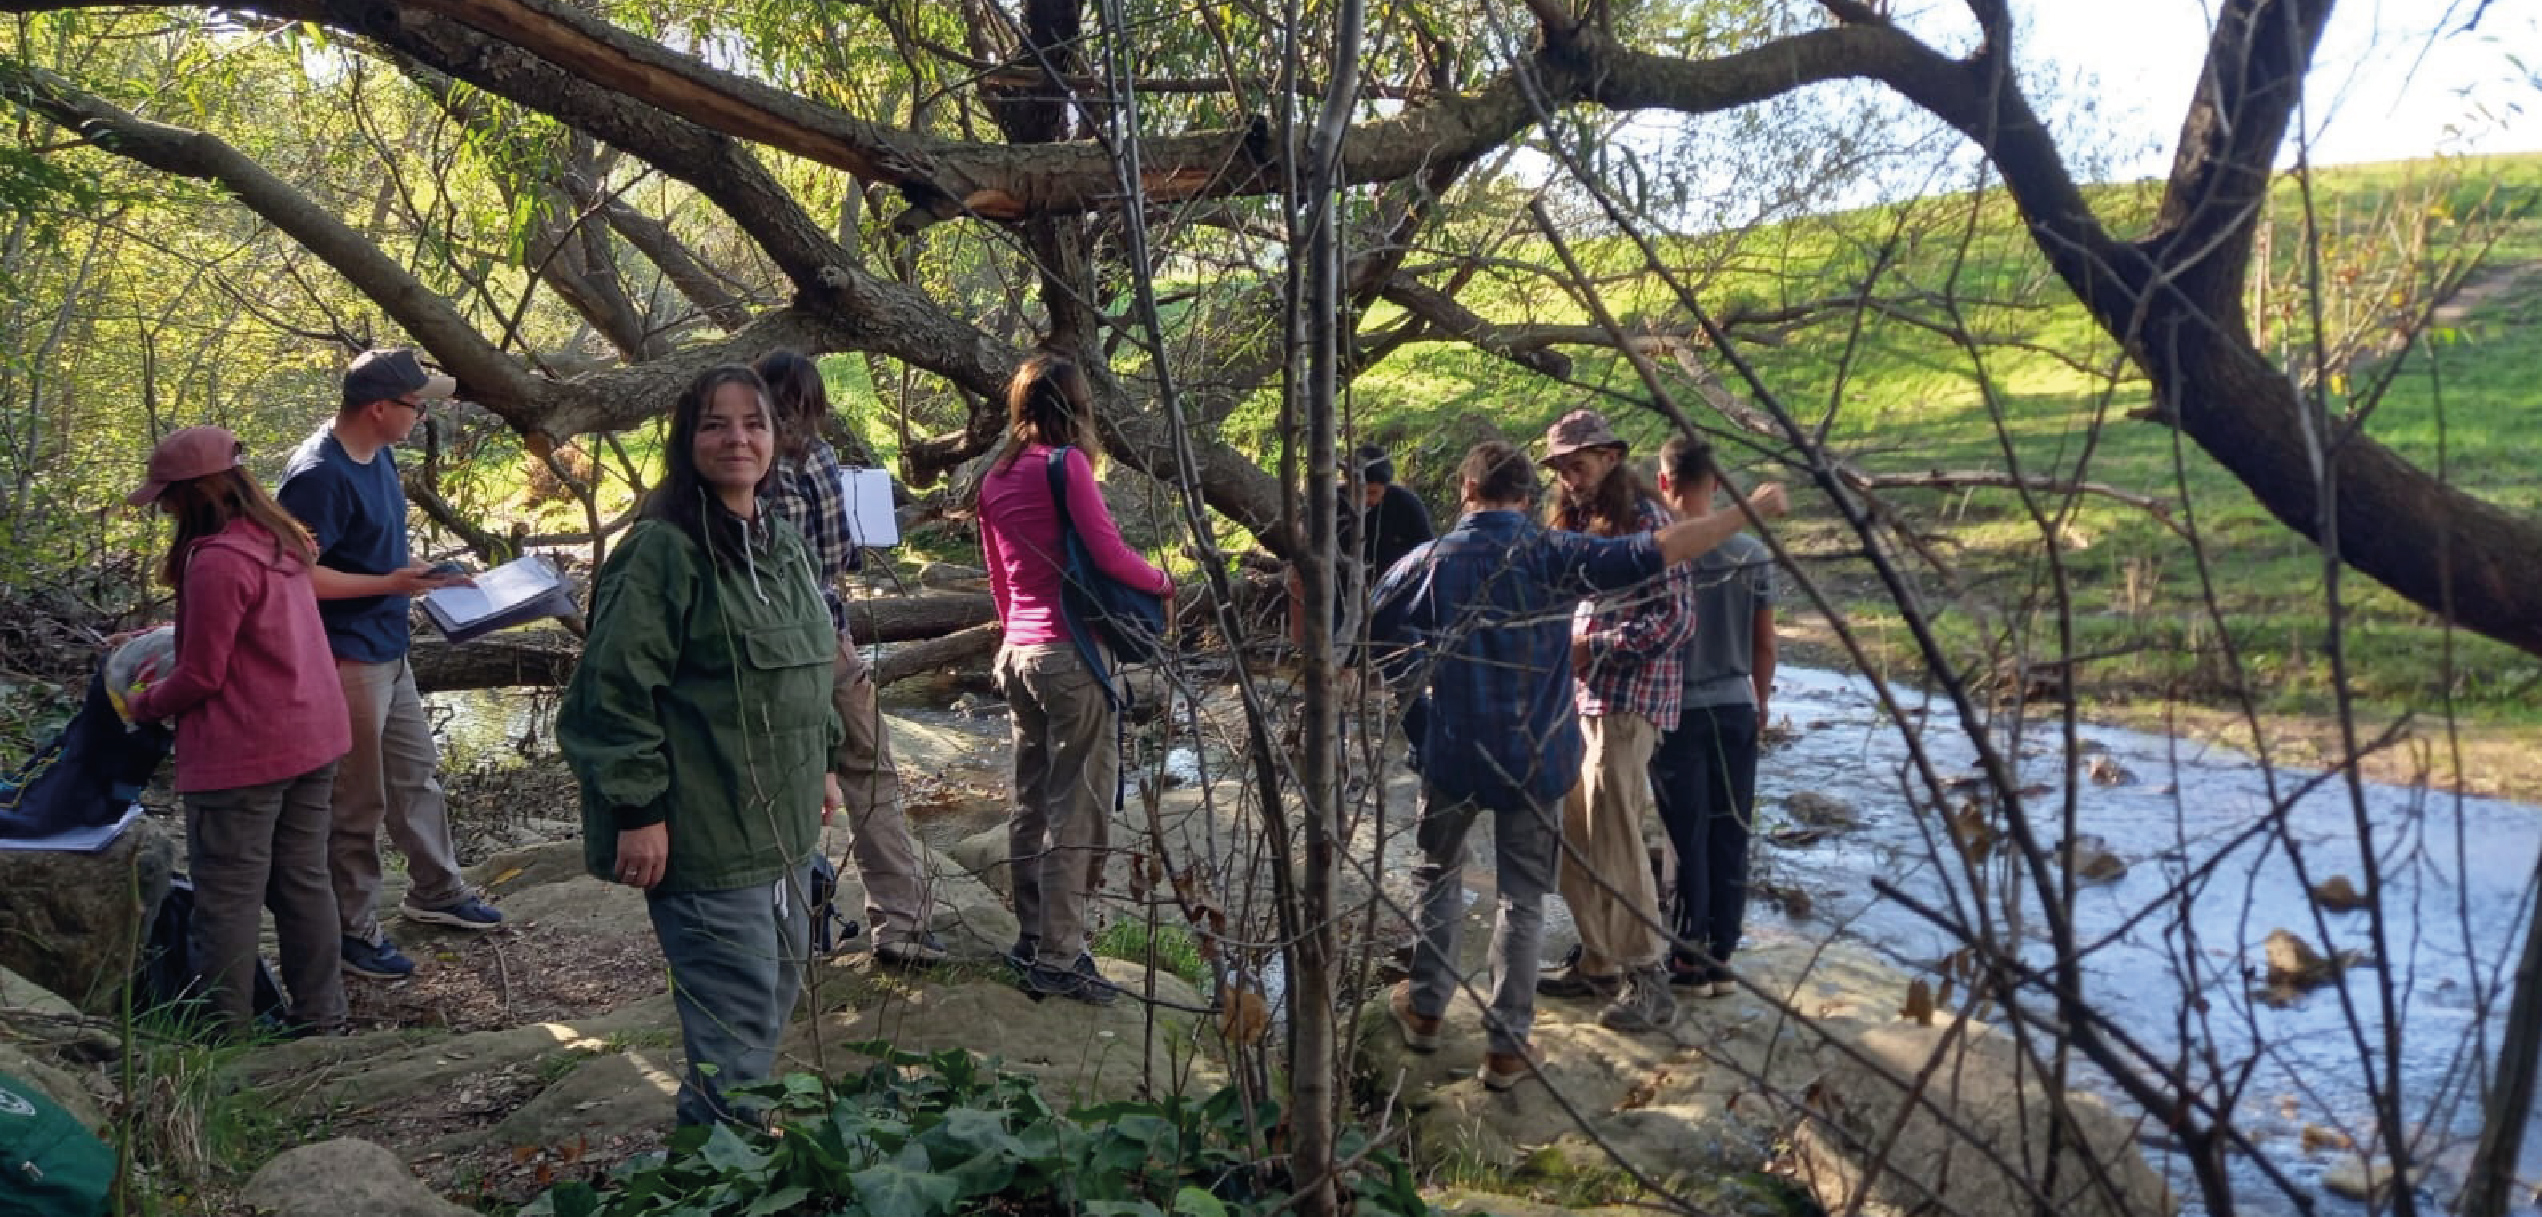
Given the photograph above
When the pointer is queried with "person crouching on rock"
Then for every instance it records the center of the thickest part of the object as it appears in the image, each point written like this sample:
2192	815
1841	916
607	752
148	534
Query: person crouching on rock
1067	752
260	725
699	726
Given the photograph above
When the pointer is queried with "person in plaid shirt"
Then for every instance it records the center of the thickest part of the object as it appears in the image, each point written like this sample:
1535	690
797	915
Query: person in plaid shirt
1628	671
805	491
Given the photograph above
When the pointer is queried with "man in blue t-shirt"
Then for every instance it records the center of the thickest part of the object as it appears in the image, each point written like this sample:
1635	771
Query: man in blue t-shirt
342	482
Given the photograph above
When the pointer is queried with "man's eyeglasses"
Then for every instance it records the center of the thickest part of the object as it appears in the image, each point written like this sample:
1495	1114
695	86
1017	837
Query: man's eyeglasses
415	404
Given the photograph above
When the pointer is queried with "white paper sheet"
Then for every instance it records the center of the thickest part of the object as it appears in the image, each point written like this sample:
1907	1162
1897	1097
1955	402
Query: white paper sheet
507	586
871	522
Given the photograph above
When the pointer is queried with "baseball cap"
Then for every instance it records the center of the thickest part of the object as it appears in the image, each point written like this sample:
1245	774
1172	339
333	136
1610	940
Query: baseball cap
186	454
393	372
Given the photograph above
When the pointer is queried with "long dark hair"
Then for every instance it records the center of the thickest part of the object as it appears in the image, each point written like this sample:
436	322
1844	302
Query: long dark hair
1612	509
204	506
1050	401
798	400
684	500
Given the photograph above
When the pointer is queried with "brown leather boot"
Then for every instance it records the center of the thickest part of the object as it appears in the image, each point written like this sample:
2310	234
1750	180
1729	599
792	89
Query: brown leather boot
1502	1070
1420	1031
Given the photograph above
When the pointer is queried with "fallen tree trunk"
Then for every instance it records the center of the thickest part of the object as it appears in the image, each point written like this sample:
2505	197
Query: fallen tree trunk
546	656
914	658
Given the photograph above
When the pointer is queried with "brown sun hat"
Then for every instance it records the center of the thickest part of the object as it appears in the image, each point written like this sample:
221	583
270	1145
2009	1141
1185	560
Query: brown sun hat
1580	429
186	454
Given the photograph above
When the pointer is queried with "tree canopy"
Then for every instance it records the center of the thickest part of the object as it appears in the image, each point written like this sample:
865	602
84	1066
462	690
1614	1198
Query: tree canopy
574	207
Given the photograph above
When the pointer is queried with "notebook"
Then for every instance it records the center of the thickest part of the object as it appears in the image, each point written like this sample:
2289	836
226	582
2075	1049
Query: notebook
522	590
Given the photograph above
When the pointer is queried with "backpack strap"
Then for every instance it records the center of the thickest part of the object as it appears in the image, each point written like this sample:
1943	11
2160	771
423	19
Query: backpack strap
1056	469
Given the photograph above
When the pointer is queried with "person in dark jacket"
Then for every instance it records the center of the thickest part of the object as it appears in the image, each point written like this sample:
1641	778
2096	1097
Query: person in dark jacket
1485	614
700	727
1392	521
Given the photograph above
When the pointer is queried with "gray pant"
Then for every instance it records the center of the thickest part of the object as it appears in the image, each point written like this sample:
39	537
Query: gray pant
388	778
1067	769
736	960
248	848
1527	842
896	904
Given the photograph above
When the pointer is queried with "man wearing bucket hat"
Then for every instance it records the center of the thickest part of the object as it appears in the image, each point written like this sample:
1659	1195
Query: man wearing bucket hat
1627	666
1475	624
343	484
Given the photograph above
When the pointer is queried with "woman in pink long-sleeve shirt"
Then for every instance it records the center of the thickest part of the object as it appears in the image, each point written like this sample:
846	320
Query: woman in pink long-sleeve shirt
1067	762
260	723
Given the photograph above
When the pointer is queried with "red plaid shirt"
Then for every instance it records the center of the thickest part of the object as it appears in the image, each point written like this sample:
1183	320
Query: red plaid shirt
1637	641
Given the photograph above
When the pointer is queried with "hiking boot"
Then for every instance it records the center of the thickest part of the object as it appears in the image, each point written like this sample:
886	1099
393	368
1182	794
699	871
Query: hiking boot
1572	982
467	913
1645	1005
1502	1070
377	961
923	951
1020	956
1072	983
1420	1031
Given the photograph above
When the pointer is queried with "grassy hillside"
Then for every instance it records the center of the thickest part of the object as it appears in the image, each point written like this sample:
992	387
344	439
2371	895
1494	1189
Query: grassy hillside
2032	383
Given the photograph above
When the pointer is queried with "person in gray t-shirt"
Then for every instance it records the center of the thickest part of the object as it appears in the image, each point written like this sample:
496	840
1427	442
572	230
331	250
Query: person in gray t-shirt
1704	772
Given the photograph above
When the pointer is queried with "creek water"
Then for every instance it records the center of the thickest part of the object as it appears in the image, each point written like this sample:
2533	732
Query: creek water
2173	948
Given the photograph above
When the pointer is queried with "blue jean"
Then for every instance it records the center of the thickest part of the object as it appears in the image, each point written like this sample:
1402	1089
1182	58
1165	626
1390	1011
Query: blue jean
1705	775
1527	842
736	960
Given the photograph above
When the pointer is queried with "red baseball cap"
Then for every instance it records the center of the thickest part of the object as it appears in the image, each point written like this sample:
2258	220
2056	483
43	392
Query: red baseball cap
186	454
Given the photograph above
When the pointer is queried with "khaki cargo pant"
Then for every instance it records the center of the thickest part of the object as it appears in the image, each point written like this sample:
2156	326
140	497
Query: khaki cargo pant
1067	765
896	905
1606	872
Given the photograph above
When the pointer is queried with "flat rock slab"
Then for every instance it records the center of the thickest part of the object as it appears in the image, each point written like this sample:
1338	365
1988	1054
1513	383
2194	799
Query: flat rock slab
341	1177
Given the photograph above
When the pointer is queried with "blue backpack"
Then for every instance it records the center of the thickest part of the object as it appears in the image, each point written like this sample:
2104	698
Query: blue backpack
1097	606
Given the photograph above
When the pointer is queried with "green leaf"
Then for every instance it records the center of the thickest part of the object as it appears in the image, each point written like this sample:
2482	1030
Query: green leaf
1193	1202
777	1201
726	1151
1122	1208
902	1192
983	1175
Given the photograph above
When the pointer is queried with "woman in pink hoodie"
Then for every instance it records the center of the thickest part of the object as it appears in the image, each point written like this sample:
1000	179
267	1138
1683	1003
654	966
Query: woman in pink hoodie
260	722
1067	759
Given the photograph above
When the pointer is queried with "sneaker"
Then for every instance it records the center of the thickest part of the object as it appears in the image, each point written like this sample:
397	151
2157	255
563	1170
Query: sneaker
377	961
1572	982
924	951
1020	956
1420	1031
468	913
1071	983
1684	973
1717	982
1502	1070
1645	1005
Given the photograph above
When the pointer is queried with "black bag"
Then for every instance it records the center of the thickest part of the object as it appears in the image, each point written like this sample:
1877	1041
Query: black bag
167	973
1097	606
829	926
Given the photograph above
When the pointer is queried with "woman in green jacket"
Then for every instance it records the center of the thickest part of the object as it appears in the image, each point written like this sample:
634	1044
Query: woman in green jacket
699	725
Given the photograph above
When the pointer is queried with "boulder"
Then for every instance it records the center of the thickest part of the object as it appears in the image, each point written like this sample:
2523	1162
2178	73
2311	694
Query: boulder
2338	894
984	854
333	1178
2365	1180
73	922
56	1083
1814	810
1990	1161
2095	862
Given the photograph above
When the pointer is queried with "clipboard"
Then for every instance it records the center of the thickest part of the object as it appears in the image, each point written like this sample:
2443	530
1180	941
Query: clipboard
872	522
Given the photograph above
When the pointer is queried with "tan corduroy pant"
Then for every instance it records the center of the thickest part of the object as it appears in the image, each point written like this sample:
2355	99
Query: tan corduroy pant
1606	873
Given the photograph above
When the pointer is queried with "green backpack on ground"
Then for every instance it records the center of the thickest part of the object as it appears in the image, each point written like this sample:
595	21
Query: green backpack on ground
50	1164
